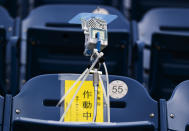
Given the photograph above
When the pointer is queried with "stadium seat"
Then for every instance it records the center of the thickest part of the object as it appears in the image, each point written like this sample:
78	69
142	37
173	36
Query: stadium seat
55	46
161	30
35	106
138	8
174	113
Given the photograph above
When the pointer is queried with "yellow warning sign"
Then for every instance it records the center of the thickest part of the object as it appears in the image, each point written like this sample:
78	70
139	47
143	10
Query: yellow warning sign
82	107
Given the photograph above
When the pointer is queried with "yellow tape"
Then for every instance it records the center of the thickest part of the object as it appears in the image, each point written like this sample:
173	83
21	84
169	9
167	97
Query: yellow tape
82	107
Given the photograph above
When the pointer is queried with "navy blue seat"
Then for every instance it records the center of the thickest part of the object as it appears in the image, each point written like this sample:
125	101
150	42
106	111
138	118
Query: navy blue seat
35	106
54	46
138	8
174	113
169	63
166	49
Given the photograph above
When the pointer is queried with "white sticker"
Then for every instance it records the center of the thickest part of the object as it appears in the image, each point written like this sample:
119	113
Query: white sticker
118	89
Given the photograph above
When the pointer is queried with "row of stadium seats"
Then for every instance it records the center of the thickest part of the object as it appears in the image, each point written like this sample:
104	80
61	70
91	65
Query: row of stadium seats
134	9
44	44
48	44
34	108
22	8
166	50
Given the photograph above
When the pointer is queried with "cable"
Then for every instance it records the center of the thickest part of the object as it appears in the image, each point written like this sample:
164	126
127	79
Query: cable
95	103
86	75
98	56
95	84
104	91
69	105
108	97
65	95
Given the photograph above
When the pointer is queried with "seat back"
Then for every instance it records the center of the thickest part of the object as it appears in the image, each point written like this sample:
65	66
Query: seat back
176	115
166	60
169	63
59	46
163	20
57	16
125	109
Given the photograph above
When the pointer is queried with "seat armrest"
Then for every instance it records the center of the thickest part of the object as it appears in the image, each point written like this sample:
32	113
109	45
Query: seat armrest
163	114
138	60
14	71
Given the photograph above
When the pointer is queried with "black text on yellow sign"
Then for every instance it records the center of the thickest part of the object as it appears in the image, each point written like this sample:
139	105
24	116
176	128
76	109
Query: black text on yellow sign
82	107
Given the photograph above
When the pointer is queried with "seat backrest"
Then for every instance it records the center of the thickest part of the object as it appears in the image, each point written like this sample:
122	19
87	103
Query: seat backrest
162	30
59	46
169	63
135	106
177	108
62	51
59	15
163	20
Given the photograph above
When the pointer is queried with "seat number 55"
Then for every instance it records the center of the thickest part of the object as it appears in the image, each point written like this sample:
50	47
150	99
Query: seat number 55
118	89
